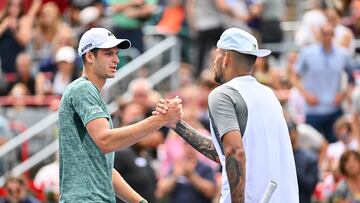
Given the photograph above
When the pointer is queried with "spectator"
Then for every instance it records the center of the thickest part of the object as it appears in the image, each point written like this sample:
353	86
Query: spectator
348	189
140	90
17	191
173	22
204	21
270	15
129	18
173	146
173	17
49	25
66	69
191	105
295	101
343	6
206	85
190	180
133	111
346	136
15	32
234	13
76	6
20	114
66	73
89	17
24	73
343	36
264	73
134	163
353	21
185	75
311	23
306	166
130	111
331	175
47	180
18	93
311	139
67	37
323	99
135	166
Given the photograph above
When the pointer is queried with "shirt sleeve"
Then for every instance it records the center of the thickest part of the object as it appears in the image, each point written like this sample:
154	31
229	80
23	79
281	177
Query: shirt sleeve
228	110
86	102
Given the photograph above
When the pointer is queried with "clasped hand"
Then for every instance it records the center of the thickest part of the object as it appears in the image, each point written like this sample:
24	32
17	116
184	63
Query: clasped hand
171	109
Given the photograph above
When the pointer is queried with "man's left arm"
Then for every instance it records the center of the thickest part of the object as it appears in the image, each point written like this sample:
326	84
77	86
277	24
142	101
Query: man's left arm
228	113
123	190
235	164
344	92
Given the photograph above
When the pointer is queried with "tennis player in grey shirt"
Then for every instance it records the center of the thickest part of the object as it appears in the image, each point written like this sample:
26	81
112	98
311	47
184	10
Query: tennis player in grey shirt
249	133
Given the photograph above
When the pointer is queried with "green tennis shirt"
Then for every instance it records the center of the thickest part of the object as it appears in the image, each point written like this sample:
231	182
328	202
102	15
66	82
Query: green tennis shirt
85	172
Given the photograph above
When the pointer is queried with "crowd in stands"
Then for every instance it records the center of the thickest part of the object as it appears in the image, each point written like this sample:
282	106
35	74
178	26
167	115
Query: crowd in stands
318	84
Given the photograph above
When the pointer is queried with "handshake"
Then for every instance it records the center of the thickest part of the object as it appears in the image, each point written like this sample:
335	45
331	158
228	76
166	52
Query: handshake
170	110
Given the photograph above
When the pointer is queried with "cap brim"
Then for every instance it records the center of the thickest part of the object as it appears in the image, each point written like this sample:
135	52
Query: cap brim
258	53
120	43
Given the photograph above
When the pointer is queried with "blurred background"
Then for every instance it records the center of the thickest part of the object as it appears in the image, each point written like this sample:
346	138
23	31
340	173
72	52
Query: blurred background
314	70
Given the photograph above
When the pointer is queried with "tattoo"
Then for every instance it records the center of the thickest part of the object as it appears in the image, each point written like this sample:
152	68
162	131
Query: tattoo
200	142
236	178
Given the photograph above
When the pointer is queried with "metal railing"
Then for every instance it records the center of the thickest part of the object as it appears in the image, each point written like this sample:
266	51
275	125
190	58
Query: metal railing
109	88
170	43
29	133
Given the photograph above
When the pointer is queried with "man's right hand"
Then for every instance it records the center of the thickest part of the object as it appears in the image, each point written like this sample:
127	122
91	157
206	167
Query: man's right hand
171	109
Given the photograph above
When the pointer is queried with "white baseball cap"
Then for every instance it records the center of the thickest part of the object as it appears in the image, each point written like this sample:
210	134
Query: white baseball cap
238	40
100	38
66	54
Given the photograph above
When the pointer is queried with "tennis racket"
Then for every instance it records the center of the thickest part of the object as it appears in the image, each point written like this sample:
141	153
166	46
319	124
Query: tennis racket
268	192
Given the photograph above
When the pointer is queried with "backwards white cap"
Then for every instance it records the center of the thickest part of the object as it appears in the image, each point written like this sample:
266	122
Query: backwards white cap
100	38
238	40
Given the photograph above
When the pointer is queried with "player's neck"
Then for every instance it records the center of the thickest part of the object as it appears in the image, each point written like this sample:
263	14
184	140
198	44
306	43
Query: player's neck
239	73
98	82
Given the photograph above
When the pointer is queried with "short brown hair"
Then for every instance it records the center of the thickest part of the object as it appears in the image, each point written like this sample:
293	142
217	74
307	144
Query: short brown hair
18	180
344	159
94	51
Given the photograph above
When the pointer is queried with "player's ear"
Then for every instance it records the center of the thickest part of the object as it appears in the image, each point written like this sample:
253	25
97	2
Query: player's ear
90	57
226	60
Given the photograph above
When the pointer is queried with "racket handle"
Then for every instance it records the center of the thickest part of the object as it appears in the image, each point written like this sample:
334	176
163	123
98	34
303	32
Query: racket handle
268	192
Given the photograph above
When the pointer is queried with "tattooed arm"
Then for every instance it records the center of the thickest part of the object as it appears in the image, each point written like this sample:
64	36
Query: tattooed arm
200	142
235	164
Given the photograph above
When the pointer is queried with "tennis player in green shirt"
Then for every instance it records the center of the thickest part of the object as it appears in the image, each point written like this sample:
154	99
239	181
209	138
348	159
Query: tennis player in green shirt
87	137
